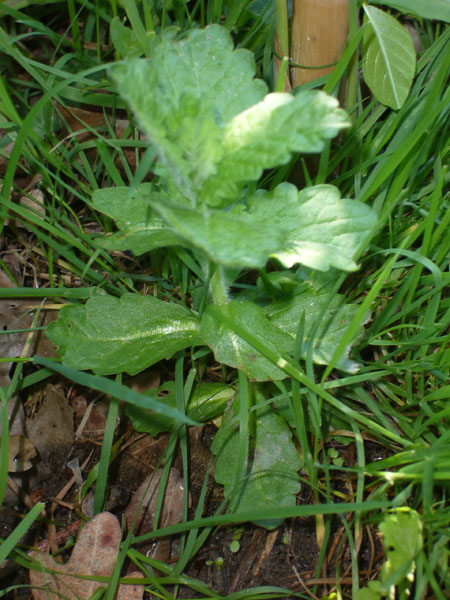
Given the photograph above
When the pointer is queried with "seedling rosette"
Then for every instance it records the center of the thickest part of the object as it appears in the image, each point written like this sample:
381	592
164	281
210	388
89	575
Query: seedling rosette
215	130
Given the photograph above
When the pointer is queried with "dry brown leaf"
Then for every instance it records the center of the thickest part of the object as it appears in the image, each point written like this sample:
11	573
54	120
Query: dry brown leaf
144	501
94	554
34	200
50	428
14	315
21	451
79	119
131	591
94	427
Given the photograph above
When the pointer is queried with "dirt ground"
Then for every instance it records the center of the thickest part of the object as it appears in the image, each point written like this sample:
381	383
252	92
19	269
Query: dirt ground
285	557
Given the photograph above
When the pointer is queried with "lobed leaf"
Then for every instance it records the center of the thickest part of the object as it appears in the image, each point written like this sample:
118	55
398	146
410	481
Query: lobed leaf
234	240
111	335
142	229
320	229
94	554
268	133
198	102
183	95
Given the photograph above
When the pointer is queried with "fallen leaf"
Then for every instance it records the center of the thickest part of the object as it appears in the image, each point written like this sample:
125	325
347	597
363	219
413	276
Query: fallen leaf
94	427
51	429
131	591
34	200
144	500
94	554
21	451
14	315
79	121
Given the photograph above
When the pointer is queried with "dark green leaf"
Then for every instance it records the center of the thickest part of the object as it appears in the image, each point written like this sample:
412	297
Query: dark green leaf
208	400
271	468
232	350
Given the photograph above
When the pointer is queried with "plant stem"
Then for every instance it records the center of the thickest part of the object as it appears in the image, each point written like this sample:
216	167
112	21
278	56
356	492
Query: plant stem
283	26
352	78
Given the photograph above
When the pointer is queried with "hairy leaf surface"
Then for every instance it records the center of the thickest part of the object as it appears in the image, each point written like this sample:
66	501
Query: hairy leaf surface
214	133
234	240
232	350
287	314
320	229
142	229
112	335
267	134
183	95
270	470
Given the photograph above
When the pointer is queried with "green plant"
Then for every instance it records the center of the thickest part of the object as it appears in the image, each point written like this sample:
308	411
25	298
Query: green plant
393	158
403	540
214	130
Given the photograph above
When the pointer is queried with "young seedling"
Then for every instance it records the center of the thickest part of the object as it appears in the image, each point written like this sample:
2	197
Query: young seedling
214	130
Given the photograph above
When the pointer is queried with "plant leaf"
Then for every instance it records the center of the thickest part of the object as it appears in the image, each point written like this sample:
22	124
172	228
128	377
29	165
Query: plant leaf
111	335
402	539
271	478
212	132
266	135
320	229
232	350
208	400
141	228
183	94
124	39
141	510
428	9
286	314
229	239
389	59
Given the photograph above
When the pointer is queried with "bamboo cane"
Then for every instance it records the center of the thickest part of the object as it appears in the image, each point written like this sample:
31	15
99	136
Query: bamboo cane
319	33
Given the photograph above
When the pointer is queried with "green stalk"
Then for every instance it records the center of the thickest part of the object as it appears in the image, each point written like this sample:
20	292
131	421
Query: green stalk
283	26
73	14
282	74
352	77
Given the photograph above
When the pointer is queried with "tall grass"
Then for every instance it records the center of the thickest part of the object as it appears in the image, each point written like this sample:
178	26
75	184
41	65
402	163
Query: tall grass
56	56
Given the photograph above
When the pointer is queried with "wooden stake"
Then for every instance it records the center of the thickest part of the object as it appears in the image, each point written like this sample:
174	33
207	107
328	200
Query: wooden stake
319	33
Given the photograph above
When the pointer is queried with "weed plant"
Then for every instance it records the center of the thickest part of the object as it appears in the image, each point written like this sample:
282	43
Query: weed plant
395	161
